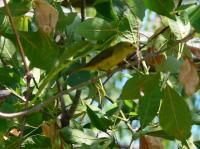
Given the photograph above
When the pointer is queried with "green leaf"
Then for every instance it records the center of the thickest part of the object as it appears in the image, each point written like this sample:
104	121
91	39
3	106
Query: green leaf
100	123
128	106
79	77
128	26
65	20
111	109
76	136
180	27
95	29
150	102
7	51
146	89
102	143
171	64
197	144
194	16
17	7
131	89
35	120
105	10
175	116
37	142
158	132
40	50
9	77
163	7
4	127
3	23
137	6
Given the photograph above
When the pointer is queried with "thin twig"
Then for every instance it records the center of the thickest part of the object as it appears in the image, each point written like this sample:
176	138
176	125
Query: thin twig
21	49
179	3
49	100
68	116
26	68
79	86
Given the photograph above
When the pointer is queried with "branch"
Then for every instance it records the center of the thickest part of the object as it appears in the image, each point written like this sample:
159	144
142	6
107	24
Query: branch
21	49
49	100
69	114
58	95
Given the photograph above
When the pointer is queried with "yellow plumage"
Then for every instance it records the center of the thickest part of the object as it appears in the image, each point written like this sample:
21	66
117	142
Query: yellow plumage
110	57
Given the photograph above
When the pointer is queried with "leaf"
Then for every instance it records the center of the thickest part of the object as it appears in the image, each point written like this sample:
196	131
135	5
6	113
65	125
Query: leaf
175	116
17	7
15	132
194	16
37	142
171	64
46	15
180	28
9	77
95	29
163	7
4	127
149	142
35	119
146	89
79	77
105	10
7	51
50	130
148	107
158	132
40	50
150	102
22	23
137	7
65	20
4	23
195	50
76	136
130	92
188	76
100	123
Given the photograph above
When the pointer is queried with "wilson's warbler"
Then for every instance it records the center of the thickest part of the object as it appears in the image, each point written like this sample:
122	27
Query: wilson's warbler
109	58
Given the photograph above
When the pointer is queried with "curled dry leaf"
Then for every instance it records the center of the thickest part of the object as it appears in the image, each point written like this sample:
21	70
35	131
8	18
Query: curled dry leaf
194	50
50	130
46	15
15	132
189	76
149	142
155	59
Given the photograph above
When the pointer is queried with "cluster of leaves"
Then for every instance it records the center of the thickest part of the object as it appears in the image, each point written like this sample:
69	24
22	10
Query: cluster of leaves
161	77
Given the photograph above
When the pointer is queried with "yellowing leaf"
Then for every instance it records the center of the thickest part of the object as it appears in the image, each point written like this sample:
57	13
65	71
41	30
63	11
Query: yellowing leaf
45	15
50	130
189	76
148	142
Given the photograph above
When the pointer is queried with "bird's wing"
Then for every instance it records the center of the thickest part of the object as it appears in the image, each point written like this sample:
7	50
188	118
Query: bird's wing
100	57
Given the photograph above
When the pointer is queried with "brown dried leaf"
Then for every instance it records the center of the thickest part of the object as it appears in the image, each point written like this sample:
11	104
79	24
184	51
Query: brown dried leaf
189	76
195	51
149	142
45	15
156	59
50	130
14	132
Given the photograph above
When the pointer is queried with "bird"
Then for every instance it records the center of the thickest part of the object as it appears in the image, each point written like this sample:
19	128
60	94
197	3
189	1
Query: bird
109	58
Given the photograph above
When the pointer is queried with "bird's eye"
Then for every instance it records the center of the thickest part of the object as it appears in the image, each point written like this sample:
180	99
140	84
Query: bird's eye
130	45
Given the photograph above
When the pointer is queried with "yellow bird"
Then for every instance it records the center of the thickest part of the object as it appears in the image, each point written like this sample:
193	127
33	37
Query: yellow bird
109	58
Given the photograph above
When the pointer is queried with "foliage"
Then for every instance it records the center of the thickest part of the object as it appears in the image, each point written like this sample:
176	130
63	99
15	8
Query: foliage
151	94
